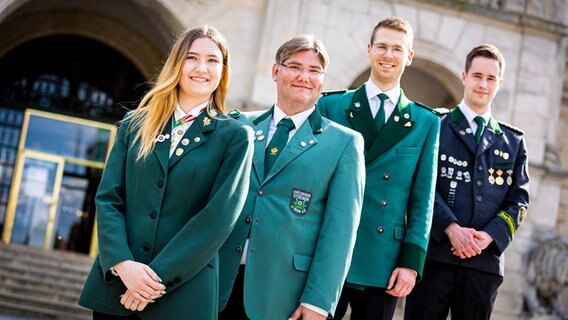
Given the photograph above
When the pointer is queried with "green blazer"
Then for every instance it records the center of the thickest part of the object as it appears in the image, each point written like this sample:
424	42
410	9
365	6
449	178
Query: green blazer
401	176
302	218
172	214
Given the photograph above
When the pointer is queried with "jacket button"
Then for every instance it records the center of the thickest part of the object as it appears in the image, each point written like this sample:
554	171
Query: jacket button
478	183
478	198
153	215
380	229
480	168
383	203
248	219
261	192
386	176
147	247
177	279
238	249
160	183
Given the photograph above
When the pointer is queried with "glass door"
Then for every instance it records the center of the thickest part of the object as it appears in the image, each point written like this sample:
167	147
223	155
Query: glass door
33	199
58	170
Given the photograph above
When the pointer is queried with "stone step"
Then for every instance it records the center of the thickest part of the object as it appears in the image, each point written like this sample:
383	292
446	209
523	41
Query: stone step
40	283
32	253
68	295
41	307
37	272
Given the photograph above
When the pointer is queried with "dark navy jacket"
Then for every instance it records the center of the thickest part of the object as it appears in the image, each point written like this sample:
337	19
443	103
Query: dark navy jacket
485	187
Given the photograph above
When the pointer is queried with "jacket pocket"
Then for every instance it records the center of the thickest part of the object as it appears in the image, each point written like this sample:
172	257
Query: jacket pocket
302	262
399	232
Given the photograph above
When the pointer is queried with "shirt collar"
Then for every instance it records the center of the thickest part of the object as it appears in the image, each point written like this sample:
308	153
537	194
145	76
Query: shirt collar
298	118
372	91
470	114
179	113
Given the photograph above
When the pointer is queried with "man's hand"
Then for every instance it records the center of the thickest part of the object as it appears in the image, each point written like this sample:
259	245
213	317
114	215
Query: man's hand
464	244
130	302
306	314
140	280
483	239
401	282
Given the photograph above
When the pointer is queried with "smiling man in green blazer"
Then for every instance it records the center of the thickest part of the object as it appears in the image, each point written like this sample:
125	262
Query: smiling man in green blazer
400	154
289	253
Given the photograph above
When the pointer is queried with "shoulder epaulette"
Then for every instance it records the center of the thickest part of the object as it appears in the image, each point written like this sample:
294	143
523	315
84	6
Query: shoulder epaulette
327	93
441	111
235	113
422	105
512	127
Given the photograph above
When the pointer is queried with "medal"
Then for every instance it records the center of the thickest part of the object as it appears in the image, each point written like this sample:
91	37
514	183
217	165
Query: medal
499	180
491	178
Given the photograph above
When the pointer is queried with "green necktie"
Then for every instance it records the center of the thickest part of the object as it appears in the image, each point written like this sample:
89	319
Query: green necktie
480	127
277	143
380	116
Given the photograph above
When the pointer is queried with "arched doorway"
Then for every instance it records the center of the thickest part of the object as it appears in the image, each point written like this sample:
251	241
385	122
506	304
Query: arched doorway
59	98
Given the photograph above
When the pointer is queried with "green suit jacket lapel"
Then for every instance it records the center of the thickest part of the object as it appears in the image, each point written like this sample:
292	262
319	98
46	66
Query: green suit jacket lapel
361	118
400	124
195	135
260	124
162	149
303	139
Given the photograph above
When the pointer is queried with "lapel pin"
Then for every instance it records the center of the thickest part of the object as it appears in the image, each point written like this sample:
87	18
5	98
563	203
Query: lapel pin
462	132
443	157
258	132
161	138
357	105
206	121
468	130
303	143
197	139
185	141
260	138
464	164
406	116
496	152
213	113
396	118
505	156
351	114
312	141
408	124
179	152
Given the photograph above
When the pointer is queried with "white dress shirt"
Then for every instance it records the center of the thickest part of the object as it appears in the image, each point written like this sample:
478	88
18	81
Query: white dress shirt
375	103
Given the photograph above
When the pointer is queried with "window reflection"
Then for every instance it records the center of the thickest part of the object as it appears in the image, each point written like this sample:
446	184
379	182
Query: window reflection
67	139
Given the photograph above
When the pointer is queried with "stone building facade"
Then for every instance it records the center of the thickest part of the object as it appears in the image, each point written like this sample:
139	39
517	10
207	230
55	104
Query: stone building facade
532	34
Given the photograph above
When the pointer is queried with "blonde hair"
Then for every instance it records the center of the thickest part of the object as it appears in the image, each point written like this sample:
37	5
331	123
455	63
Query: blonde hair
157	106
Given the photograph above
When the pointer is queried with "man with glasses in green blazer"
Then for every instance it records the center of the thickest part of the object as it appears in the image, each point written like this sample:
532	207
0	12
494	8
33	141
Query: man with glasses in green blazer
401	145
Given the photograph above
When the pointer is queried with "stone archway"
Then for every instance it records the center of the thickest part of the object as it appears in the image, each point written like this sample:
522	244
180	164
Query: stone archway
141	31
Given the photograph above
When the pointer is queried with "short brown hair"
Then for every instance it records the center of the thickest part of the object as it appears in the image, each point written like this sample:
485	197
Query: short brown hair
487	51
299	43
394	23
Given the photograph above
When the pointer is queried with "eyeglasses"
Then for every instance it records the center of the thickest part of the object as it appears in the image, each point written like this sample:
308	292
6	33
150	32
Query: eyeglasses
297	70
383	49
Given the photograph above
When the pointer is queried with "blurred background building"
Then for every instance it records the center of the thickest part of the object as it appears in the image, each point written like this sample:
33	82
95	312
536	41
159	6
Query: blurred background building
71	68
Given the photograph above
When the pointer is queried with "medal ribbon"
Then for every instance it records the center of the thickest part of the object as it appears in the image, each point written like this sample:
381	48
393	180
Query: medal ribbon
187	118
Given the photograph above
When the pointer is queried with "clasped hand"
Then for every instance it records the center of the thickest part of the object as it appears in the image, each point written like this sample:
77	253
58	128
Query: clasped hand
142	283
